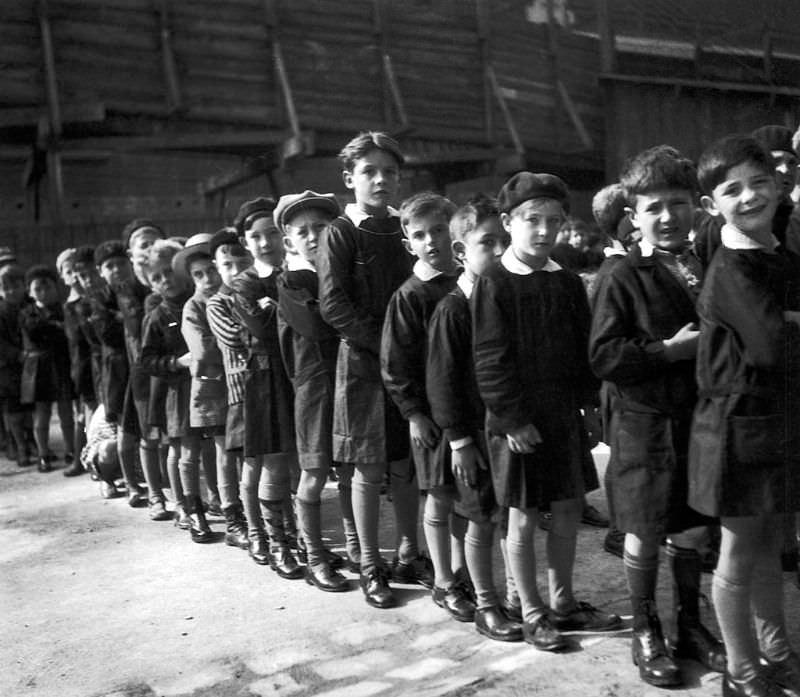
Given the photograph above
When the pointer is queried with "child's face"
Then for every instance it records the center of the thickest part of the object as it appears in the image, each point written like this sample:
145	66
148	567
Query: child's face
164	281
374	180
577	238
664	217
303	232
533	226
140	242
68	274
264	242
230	265
43	291
204	275
785	171
428	238
116	270
12	290
88	278
482	248
747	199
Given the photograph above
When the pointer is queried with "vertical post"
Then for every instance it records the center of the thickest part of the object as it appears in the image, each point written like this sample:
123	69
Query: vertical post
482	14
173	97
271	22
608	52
555	68
379	31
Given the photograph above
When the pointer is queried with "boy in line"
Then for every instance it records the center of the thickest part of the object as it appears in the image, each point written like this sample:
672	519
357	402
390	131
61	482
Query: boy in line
478	242
643	345
744	456
425	220
361	262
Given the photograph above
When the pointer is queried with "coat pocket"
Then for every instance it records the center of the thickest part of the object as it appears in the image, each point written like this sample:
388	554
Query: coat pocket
643	443
757	441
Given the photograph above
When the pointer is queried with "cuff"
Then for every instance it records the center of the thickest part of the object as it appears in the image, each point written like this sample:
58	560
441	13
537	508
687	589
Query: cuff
461	443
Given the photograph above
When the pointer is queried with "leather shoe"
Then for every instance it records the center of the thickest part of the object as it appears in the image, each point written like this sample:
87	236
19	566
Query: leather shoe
543	635
44	465
759	686
512	611
418	570
492	624
182	519
324	578
283	563
585	618
455	601
258	549
698	644
74	469
650	655
785	673
158	510
375	586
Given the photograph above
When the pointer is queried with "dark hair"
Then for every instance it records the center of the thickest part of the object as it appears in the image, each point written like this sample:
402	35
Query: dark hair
661	167
365	142
12	272
425	203
725	154
84	255
608	208
138	224
41	271
472	215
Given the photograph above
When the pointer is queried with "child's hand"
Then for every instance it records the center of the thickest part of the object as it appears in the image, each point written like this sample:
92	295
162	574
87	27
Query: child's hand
265	302
466	461
185	360
424	433
683	344
524	440
591	422
791	316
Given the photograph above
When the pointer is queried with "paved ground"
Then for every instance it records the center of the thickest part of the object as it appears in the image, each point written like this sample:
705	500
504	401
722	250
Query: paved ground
96	600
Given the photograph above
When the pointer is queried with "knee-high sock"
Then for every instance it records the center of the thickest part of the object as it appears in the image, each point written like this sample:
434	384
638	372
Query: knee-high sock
190	476
149	456
227	475
767	604
405	500
366	507
173	471
248	490
642	575
435	523
272	512
309	515
289	520
522	560
478	552
686	569
732	606
458	530
351	543
208	460
512	597
560	564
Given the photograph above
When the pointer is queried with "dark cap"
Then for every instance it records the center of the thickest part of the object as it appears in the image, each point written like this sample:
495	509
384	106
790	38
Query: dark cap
524	186
108	249
7	256
226	235
253	210
774	137
135	225
292	204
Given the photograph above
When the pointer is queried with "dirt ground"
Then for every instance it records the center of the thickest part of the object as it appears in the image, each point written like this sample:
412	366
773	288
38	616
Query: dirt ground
96	600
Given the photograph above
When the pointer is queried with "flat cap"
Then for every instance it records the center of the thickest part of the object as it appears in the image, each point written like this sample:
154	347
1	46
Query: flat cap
524	186
253	210
107	250
291	204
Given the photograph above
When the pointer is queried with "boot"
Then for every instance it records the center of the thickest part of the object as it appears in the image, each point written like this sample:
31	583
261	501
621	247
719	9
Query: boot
690	638
281	559
236	531
648	650
257	548
182	519
198	527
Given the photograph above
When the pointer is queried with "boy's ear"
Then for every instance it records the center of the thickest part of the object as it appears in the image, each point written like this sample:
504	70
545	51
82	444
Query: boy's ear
505	220
459	249
709	206
288	245
347	178
407	245
631	213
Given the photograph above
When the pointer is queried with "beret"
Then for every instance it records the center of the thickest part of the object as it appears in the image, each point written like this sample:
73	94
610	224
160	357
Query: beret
774	138
291	204
250	211
196	244
524	186
108	249
135	226
226	235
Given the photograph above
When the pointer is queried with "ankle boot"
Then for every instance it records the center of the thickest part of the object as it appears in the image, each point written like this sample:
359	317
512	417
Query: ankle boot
236	529
690	638
182	519
648	650
281	559
199	529
257	548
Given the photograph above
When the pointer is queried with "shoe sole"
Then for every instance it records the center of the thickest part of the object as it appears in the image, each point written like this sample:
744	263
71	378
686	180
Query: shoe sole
333	589
658	682
513	638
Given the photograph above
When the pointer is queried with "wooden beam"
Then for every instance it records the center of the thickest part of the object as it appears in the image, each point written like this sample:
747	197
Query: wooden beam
702	84
173	95
187	141
397	97
574	116
271	24
90	112
510	125
482	16
608	51
250	170
555	66
391	97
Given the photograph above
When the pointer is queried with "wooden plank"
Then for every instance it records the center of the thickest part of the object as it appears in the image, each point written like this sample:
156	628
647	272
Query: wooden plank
512	129
574	116
251	169
173	91
273	36
180	141
70	113
721	86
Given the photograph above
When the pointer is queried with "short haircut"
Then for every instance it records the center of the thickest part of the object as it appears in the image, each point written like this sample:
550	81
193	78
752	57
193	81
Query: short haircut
608	208
84	255
161	252
12	272
41	271
661	167
64	256
365	142
472	215
725	154
425	203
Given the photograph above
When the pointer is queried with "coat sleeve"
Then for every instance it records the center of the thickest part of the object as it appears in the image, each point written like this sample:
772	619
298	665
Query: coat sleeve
156	359
259	321
206	358
224	326
338	305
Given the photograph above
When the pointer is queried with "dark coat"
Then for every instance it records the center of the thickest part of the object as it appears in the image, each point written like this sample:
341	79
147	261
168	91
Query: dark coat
106	324
46	368
80	350
11	352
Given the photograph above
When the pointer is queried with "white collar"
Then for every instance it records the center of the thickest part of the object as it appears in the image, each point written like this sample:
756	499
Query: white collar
615	249
294	262
465	284
513	264
733	238
352	211
646	248
263	270
73	296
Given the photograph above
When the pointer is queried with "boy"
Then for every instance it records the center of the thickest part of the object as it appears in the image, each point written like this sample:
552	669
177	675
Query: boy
361	262
308	346
137	237
643	345
743	456
208	399
425	220
531	324
456	407
269	442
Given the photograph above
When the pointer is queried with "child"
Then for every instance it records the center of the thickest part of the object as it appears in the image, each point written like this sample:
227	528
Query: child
12	299
643	345
99	455
268	415
361	262
743	456
531	327
425	220
308	346
46	370
230	259
165	355
208	401
456	407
